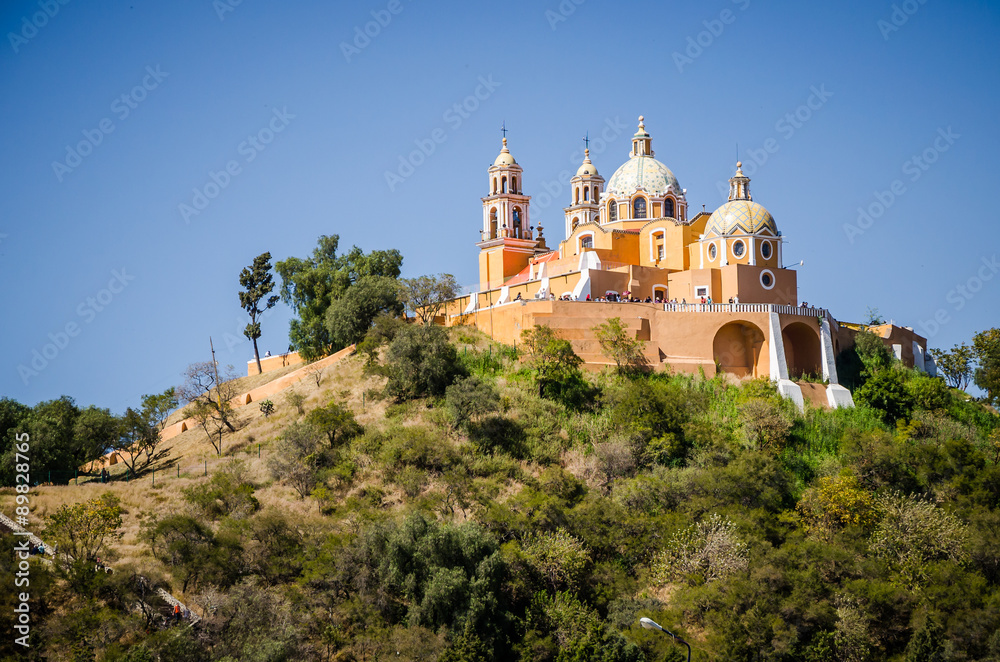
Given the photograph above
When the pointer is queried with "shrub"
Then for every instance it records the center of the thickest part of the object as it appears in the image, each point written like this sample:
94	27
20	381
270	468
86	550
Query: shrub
886	392
469	399
420	361
702	553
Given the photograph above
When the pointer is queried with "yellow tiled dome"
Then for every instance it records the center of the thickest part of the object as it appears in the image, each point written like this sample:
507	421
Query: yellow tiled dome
741	216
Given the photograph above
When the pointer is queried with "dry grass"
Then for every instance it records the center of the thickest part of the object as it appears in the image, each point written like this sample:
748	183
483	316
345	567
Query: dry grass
191	460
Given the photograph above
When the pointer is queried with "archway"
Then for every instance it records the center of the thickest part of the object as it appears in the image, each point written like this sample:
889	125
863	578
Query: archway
737	348
802	352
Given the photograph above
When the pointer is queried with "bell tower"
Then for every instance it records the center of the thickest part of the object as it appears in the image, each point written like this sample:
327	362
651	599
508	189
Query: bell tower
586	189
506	240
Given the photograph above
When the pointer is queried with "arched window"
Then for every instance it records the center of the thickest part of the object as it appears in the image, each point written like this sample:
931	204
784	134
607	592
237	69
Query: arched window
668	207
595	194
513	184
576	222
639	207
493	223
576	196
586	194
494	186
612	211
503	184
587	241
517	221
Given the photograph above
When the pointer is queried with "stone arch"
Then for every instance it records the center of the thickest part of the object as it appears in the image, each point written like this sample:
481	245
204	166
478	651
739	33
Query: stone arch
737	349
802	351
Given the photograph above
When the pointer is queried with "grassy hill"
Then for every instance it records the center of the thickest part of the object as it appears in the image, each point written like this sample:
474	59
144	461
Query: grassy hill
508	517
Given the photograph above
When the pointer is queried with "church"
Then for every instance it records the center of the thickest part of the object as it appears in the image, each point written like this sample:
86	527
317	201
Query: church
706	292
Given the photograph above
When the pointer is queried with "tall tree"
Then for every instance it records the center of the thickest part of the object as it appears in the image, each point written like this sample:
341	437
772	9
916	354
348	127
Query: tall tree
956	365
987	346
350	317
425	295
310	285
257	283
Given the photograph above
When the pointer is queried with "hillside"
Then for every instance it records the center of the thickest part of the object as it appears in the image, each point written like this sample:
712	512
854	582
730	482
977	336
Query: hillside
531	511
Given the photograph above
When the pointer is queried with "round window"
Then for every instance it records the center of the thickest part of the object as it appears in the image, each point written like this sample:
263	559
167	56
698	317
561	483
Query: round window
765	249
767	279
712	252
739	248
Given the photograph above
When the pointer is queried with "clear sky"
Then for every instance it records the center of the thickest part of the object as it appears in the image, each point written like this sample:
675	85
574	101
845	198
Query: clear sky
115	114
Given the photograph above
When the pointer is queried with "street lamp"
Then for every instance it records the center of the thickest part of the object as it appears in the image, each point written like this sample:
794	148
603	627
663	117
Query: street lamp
650	624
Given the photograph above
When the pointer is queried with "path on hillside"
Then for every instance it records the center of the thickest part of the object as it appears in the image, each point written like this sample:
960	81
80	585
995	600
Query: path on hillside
19	530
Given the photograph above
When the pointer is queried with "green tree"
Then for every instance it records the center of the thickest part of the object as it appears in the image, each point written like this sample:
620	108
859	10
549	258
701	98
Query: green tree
558	556
874	355
351	316
470	399
83	530
257	283
135	435
620	345
927	643
62	438
192	550
556	365
987	347
295	459
956	365
886	392
310	285
420	361
336	422
426	295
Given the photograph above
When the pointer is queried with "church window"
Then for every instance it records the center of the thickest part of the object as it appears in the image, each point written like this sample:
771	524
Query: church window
639	208
576	222
595	194
576	196
660	252
493	223
586	194
668	205
513	184
503	184
494	186
587	242
765	249
739	248
612	211
517	217
767	279
712	251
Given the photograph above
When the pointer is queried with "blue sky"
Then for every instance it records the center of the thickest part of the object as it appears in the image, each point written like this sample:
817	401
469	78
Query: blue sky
884	106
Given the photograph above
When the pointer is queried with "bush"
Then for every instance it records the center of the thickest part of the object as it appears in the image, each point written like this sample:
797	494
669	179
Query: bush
887	393
470	399
420	361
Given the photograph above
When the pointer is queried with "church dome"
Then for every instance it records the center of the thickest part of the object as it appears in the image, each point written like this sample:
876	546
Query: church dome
740	216
642	171
586	168
505	157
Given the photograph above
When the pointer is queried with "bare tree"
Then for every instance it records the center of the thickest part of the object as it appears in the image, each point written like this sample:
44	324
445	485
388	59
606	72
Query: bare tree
212	397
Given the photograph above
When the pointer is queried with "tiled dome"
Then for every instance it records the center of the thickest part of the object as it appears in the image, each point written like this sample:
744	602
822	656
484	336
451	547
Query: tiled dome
642	171
740	217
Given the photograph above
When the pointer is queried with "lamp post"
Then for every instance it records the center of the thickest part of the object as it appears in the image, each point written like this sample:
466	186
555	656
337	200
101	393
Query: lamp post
650	624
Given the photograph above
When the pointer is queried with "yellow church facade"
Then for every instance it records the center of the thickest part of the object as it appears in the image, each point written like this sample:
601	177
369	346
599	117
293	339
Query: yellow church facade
707	292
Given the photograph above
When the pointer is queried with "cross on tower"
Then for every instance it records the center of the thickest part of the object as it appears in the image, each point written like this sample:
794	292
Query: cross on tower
586	140
503	128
